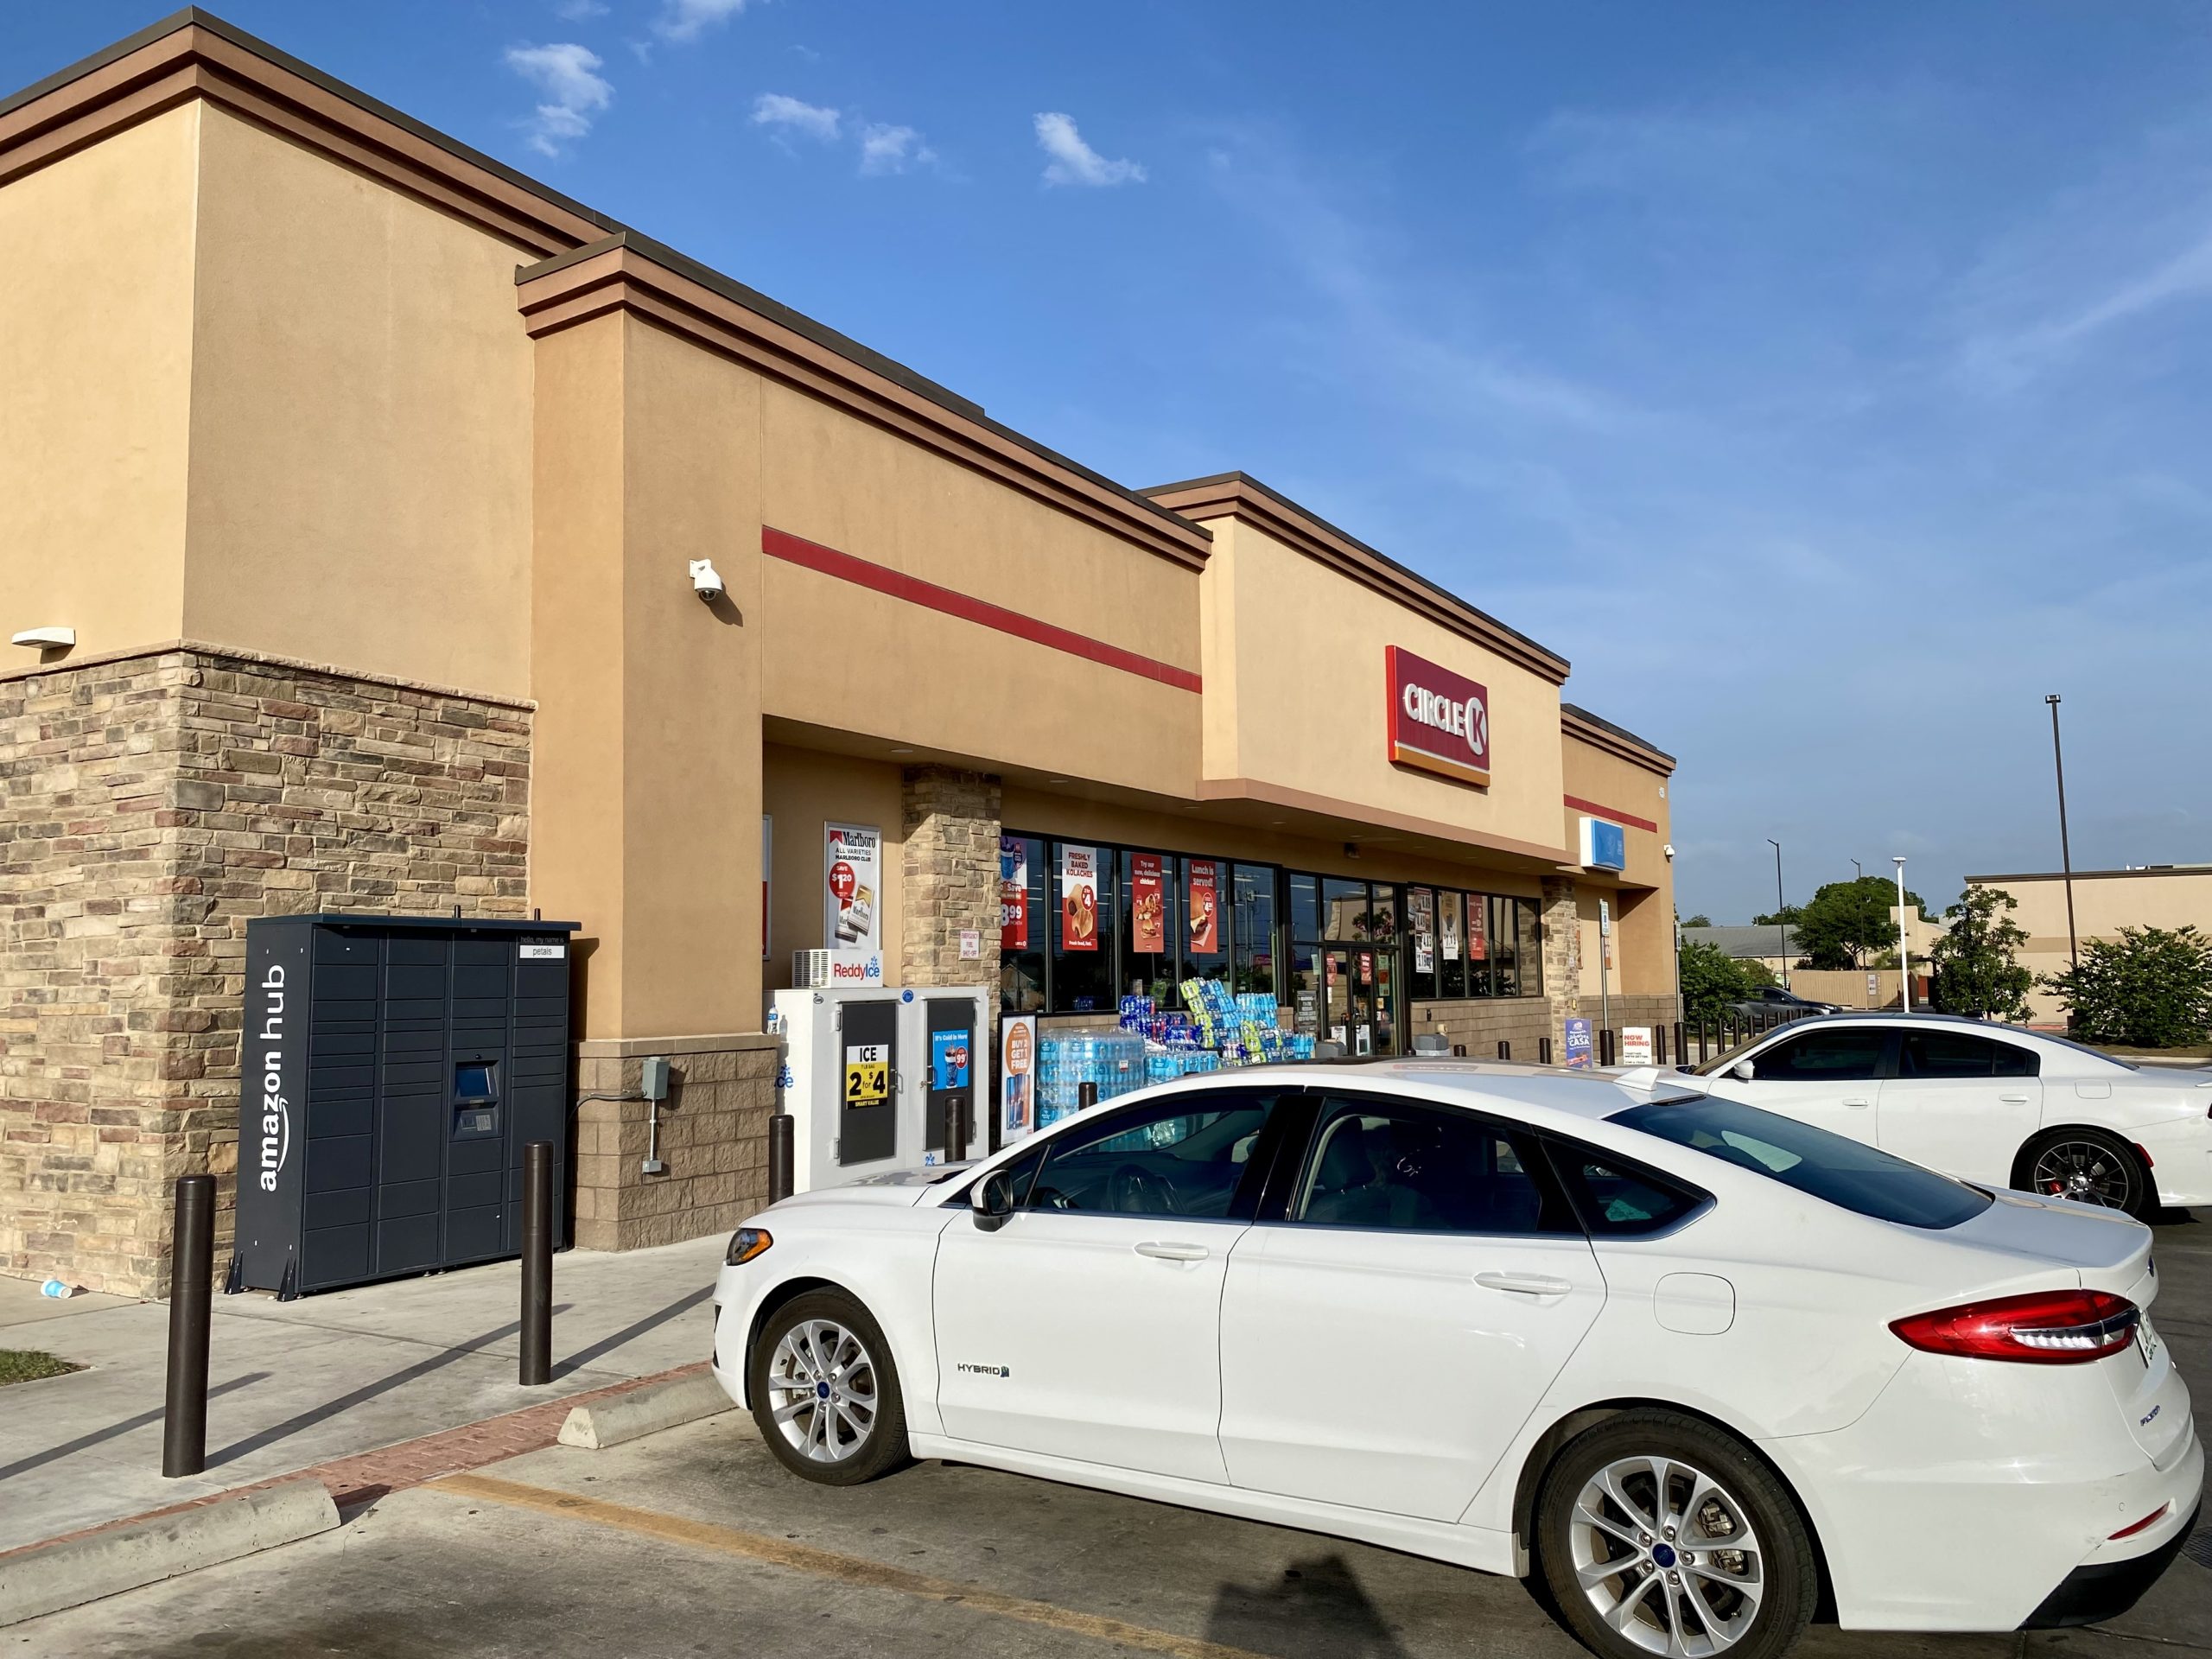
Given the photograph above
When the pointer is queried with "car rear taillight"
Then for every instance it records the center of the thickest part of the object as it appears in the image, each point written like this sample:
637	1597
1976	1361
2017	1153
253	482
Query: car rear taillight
2051	1327
2144	1525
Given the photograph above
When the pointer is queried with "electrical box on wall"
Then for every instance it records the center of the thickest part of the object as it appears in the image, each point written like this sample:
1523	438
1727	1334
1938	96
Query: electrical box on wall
394	1069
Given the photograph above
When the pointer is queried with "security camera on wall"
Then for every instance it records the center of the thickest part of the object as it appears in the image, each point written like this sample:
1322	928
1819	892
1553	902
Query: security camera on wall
1668	852
705	580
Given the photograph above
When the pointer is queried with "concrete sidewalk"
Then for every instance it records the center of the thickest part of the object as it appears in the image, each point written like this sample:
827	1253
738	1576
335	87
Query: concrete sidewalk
292	1385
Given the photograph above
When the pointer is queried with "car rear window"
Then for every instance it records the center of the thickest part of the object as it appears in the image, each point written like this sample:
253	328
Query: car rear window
1832	1167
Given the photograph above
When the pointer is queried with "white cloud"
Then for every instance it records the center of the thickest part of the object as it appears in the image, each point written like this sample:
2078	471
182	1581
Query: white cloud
776	110
1075	162
579	12
892	149
686	20
566	74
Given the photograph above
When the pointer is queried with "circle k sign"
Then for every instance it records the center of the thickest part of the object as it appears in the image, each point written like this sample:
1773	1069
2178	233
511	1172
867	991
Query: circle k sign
1438	720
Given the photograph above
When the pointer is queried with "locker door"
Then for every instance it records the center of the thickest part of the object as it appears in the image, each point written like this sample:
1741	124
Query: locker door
866	1078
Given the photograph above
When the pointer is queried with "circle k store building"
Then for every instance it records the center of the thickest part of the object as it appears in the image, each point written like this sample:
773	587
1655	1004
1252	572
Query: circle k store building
363	479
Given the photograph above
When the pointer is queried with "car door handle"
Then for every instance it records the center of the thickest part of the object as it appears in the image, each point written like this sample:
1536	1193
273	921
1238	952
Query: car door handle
2013	1100
1173	1252
1859	1103
1524	1284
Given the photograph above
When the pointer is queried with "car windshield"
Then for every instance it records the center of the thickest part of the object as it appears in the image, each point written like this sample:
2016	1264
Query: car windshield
1842	1172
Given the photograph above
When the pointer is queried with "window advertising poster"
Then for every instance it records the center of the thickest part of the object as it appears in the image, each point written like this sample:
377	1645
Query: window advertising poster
1636	1045
1148	905
852	866
1449	903
1423	907
1017	1076
1205	911
1577	1045
1478	928
1078	898
1013	893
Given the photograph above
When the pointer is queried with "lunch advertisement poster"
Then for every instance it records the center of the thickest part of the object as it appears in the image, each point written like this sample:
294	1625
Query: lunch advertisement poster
1205	906
1148	905
1078	898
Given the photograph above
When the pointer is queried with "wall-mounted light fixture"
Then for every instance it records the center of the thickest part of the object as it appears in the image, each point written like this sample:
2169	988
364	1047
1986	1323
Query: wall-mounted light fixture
45	638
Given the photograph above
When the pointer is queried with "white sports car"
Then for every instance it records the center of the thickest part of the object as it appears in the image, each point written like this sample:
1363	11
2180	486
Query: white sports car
1999	1104
1692	1362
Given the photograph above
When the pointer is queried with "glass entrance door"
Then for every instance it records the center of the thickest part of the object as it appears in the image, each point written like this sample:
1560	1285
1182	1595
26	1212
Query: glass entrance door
1355	1005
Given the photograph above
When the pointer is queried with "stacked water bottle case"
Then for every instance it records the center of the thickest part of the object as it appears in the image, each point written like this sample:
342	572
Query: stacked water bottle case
1214	1028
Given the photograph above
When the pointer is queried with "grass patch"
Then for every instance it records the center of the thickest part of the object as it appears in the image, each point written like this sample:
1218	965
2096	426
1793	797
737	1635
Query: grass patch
28	1365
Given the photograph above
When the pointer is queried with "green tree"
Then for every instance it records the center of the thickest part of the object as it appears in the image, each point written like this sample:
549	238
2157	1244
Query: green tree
1974	968
1786	917
1699	920
1712	979
1846	920
2151	987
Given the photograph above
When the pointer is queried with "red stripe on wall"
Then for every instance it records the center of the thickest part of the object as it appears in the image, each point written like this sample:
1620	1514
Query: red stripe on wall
794	549
1597	812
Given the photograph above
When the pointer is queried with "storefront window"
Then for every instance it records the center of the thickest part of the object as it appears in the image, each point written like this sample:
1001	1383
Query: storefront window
1451	945
1253	930
1343	909
1206	897
1504	949
1084	913
1022	919
1526	937
1150	928
1420	944
1383	913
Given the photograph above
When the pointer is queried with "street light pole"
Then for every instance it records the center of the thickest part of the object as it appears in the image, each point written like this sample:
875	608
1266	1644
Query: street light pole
2065	852
1858	869
1780	922
1905	947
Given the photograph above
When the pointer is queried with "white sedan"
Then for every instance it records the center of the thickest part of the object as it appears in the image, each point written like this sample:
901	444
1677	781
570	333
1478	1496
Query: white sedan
1999	1104
1691	1362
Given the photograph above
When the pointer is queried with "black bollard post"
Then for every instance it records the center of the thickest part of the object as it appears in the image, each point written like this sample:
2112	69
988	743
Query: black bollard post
536	1366
783	1158
1681	1053
1543	1051
1604	1047
1086	1095
1504	1049
955	1130
192	1283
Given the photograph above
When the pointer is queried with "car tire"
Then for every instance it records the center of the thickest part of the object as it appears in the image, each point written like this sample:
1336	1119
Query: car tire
825	1391
2089	1166
1600	1506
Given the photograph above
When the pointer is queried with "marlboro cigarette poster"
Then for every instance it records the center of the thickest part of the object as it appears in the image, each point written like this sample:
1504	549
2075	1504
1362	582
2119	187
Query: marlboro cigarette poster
1449	904
1013	893
1205	913
1478	928
1148	905
853	894
1078	898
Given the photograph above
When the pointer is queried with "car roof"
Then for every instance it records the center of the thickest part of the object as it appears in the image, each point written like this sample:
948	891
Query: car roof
1536	1089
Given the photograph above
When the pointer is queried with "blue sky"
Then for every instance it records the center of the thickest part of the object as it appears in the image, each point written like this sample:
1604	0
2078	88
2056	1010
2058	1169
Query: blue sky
1829	383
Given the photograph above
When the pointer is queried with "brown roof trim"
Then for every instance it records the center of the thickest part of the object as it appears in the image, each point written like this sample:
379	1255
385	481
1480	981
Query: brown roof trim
194	53
1581	724
1253	789
2095	875
1239	494
627	272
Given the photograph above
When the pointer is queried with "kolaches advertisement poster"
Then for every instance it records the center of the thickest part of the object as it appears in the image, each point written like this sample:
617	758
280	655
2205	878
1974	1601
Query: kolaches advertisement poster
1078	898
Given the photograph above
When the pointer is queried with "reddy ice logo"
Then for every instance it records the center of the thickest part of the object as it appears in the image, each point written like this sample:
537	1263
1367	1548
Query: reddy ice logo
1438	720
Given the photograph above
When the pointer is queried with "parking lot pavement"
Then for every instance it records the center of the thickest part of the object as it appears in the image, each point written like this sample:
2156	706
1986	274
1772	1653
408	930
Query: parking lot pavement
696	1541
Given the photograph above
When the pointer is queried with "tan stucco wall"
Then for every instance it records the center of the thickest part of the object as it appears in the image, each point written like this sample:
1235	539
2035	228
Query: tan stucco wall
2103	904
361	422
1644	925
846	657
804	790
96	361
1298	650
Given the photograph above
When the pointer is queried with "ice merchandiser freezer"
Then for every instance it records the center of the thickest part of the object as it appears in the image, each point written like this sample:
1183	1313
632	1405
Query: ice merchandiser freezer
874	1076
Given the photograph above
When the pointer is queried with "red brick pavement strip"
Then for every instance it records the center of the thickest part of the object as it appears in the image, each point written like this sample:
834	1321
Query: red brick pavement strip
359	1480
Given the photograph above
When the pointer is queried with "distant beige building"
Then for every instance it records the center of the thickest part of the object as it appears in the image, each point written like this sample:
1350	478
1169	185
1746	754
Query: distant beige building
2160	895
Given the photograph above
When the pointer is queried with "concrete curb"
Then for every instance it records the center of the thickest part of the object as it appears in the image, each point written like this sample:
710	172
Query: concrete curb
48	1578
645	1411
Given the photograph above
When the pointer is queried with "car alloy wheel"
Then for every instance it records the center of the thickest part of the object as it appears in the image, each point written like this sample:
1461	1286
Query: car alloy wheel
1666	1555
2087	1171
822	1391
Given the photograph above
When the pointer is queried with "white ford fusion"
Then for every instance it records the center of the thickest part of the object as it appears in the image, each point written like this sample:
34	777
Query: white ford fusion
1692	1362
1999	1104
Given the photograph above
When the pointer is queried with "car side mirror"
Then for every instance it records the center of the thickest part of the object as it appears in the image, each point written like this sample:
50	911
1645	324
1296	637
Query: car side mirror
1742	1070
990	1201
